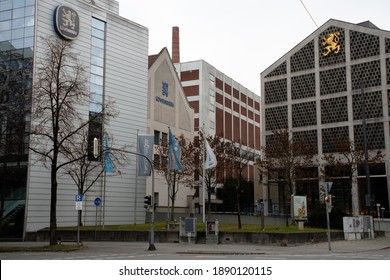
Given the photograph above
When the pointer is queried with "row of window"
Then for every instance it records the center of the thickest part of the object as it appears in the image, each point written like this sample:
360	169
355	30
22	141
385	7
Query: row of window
96	83
17	23
97	66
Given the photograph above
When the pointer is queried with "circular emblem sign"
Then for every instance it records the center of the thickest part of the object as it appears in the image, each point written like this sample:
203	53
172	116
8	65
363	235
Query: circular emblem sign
67	22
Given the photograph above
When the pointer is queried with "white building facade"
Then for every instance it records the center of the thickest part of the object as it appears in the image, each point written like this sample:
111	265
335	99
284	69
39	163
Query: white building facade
114	51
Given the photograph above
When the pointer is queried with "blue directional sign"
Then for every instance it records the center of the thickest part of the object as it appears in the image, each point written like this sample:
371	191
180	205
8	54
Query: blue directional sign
79	197
97	201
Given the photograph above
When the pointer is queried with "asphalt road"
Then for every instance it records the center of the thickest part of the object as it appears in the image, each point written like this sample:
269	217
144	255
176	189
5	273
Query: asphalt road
366	249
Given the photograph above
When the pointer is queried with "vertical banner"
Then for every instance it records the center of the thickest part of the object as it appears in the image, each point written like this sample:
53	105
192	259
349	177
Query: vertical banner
174	153
145	147
108	166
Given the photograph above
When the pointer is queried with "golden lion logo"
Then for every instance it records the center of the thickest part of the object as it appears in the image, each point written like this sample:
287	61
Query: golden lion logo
332	43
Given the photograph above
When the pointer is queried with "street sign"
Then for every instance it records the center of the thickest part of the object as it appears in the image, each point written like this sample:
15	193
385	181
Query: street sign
328	186
79	197
97	201
79	205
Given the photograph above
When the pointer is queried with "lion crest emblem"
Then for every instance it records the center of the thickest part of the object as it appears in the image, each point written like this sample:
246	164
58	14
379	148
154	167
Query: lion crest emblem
331	42
69	18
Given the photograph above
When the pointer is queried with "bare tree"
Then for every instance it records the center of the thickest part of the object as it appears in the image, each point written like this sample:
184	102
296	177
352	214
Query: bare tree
282	158
238	159
83	170
347	159
60	92
214	175
176	177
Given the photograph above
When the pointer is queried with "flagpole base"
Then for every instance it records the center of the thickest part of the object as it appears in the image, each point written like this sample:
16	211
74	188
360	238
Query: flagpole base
152	247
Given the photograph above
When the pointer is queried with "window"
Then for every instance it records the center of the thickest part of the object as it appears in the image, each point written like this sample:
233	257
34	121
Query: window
156	137
96	97
164	137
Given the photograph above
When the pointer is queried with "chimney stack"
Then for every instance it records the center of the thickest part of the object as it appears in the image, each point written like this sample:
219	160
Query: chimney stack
175	45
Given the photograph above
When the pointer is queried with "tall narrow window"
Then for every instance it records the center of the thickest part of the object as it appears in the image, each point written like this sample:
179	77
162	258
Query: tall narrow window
96	82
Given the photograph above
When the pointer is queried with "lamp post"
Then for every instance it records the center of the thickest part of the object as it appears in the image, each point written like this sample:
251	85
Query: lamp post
152	247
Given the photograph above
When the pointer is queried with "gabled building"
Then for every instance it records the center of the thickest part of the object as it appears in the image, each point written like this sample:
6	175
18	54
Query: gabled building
316	92
168	108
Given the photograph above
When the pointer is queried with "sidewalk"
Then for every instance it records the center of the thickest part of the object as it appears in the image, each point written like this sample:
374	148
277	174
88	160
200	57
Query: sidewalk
343	246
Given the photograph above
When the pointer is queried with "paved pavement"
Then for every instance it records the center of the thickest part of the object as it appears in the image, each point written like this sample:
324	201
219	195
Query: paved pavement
378	248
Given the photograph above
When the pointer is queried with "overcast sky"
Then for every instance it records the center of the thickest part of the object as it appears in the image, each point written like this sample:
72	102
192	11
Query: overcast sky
242	38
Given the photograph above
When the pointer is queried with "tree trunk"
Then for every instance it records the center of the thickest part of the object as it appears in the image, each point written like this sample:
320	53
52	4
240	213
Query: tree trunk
238	204
53	206
173	197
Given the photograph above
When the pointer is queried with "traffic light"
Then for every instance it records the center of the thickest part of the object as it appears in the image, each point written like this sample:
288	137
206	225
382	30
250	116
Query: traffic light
148	201
328	202
328	199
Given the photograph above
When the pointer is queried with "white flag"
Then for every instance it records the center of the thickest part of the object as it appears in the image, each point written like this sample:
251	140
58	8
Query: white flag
211	160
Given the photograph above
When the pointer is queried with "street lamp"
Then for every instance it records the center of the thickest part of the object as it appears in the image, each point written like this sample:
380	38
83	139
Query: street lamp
152	247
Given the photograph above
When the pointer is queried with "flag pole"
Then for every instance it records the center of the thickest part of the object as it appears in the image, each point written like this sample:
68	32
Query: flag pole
136	185
203	177
104	187
168	175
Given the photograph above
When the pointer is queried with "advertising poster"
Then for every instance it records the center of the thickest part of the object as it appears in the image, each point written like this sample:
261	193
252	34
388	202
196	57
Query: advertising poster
300	207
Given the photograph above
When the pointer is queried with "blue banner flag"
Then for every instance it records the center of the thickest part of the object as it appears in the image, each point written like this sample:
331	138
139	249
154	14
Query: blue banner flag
174	153
108	167
145	147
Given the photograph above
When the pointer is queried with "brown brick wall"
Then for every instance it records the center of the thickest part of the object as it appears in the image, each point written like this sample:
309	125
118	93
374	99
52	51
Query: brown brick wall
219	98
195	106
243	97
219	122
257	105
257	138
250	114
228	126
244	130
250	102
236	129
228	103
219	84
228	89
191	90
196	124
251	135
243	111
236	93
190	75
257	118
